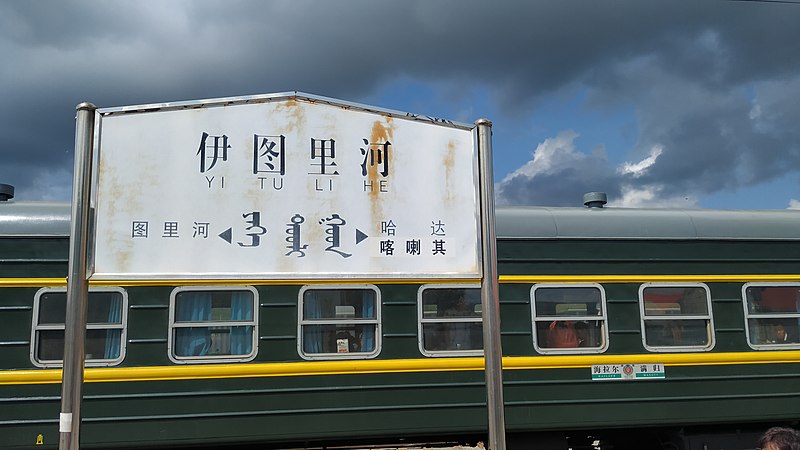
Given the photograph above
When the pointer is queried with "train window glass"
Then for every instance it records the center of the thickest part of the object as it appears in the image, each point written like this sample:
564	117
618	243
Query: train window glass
339	322
772	312
213	324
676	317
105	327
569	318
450	320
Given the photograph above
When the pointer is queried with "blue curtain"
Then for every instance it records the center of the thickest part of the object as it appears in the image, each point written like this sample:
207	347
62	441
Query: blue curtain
241	309
368	312
113	337
193	307
312	334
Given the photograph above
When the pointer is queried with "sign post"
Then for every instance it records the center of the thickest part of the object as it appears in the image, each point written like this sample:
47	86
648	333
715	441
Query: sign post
490	301
77	284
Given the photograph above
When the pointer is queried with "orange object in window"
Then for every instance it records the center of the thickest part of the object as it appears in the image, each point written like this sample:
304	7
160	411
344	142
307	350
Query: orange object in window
562	334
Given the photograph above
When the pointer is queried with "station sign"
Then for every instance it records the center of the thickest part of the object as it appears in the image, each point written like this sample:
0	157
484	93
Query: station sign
282	186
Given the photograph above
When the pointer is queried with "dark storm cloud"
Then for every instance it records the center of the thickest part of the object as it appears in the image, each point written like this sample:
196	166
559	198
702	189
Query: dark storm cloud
113	53
706	139
715	136
718	106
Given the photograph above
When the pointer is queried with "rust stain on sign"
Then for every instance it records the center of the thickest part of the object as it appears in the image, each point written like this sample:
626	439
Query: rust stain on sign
295	111
449	163
381	134
121	199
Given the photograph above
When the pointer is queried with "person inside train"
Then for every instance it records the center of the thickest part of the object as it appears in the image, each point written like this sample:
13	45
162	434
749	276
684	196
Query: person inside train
781	334
562	334
780	438
781	337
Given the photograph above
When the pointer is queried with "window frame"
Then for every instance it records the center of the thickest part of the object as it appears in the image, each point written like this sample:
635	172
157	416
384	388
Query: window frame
677	348
422	320
603	316
748	316
301	322
211	323
93	362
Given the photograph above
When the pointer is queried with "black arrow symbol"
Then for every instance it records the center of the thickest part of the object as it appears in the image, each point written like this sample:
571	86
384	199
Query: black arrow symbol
360	236
227	235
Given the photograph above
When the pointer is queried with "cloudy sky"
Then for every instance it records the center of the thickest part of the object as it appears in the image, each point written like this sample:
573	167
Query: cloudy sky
664	103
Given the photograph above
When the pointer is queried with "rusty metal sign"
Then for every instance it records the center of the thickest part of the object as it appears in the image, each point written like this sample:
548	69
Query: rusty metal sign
282	186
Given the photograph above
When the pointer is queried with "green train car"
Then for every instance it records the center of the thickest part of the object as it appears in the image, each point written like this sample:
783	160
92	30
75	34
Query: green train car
662	328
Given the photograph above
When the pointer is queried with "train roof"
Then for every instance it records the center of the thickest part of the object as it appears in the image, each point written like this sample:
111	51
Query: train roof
629	223
521	222
34	218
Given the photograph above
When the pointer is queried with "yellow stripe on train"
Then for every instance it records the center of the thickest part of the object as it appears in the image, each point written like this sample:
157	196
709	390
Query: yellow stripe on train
507	279
310	368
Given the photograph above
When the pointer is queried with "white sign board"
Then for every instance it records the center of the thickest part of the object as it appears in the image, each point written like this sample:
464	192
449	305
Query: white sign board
282	187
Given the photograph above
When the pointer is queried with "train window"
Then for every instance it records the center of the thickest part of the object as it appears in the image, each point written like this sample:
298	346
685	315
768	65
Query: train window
339	322
450	320
105	327
676	317
213	324
772	311
569	318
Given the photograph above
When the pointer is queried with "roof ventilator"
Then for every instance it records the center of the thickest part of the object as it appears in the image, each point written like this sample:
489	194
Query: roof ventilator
595	199
6	192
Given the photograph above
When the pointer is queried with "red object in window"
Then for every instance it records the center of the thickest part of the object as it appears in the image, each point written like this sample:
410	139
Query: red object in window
662	297
779	299
562	334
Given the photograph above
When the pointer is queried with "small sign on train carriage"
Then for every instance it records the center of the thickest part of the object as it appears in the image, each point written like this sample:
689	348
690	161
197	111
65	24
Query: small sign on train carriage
628	371
283	186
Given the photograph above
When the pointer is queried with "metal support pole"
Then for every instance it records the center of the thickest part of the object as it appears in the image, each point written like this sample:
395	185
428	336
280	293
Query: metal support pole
490	300
77	284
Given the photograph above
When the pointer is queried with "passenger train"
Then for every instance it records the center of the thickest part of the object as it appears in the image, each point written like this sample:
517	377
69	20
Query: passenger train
651	328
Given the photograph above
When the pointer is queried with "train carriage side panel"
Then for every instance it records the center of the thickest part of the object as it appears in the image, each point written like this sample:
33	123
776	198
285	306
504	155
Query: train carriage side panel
277	397
624	250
